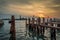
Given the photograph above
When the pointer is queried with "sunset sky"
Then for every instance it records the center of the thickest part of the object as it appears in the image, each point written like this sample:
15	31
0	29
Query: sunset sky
49	8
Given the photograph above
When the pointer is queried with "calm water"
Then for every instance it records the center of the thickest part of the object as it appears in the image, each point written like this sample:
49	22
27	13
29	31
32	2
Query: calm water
20	31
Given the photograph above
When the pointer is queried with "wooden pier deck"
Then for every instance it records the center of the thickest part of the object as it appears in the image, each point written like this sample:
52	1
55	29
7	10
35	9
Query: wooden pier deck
39	26
36	28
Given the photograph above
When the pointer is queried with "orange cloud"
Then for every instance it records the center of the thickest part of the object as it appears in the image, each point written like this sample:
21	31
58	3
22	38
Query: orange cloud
30	9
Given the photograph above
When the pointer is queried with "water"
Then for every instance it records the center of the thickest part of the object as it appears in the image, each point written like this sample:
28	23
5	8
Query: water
20	31
4	31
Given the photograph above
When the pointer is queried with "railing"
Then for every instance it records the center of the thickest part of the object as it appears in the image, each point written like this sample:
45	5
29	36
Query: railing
39	26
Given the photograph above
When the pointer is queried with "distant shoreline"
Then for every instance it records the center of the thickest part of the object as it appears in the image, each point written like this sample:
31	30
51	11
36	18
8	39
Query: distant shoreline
15	19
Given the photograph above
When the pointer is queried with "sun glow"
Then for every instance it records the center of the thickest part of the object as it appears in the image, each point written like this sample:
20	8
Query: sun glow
41	15
29	10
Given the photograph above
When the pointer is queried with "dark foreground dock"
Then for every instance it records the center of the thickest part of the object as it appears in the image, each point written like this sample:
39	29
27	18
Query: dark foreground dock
36	28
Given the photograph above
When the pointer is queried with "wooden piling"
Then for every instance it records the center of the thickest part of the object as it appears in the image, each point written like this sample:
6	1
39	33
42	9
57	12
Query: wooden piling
29	27
26	27
53	33
38	28
33	28
12	29
38	23
43	29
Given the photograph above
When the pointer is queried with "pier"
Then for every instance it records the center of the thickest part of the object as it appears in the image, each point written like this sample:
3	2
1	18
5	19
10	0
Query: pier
37	28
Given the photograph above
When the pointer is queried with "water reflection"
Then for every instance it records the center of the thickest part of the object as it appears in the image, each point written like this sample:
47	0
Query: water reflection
20	32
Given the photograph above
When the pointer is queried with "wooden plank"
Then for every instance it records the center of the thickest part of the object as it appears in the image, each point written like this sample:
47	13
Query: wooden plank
12	29
50	26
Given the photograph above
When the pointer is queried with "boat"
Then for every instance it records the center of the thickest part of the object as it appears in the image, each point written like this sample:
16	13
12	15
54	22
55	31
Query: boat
1	22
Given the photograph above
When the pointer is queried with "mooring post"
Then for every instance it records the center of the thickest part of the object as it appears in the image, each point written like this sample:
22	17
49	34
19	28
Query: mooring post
38	23
26	27
43	29
38	28
12	29
49	29
33	27
53	33
33	22
29	26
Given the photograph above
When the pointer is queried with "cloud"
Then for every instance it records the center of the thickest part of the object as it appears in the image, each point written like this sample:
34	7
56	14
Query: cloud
30	7
56	2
